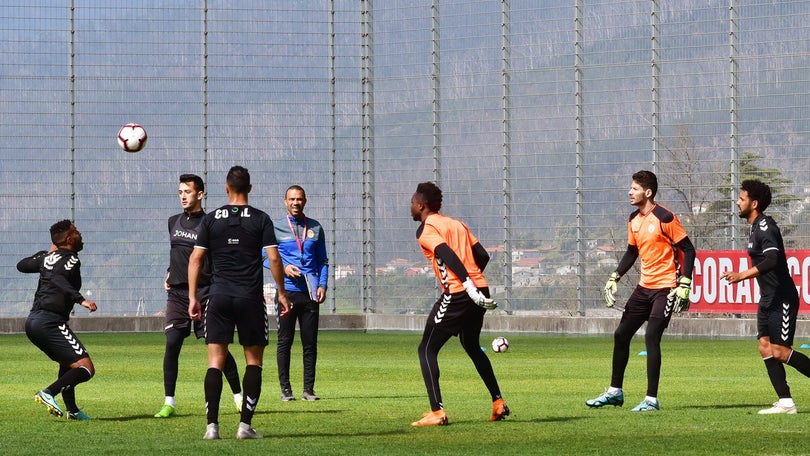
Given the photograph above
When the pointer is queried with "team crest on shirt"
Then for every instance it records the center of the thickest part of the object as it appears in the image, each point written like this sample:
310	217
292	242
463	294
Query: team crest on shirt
310	234
763	225
650	228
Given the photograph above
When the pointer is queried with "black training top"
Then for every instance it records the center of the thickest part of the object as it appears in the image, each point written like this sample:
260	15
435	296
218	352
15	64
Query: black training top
767	252
182	237
60	280
235	237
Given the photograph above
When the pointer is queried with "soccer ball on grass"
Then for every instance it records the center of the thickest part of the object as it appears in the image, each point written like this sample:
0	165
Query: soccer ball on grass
132	137
500	344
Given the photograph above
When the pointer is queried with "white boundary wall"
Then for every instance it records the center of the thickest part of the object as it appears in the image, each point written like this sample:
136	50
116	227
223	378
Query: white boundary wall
552	325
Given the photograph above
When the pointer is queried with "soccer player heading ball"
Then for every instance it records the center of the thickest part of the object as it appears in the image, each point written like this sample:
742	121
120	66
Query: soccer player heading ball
60	280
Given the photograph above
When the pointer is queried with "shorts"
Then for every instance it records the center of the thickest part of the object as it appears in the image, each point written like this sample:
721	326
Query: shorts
177	312
249	316
51	334
778	321
454	312
645	303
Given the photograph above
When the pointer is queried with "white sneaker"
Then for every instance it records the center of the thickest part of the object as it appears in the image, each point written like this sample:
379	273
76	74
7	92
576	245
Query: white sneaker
237	400
211	432
779	409
247	432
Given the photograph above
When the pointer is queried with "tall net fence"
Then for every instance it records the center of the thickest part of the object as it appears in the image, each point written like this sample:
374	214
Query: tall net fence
531	116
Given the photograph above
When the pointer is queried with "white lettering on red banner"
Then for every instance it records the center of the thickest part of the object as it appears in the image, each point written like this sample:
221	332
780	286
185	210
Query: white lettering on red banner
710	293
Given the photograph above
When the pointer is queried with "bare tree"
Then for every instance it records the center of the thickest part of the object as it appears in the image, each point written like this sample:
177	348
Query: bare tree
704	197
693	173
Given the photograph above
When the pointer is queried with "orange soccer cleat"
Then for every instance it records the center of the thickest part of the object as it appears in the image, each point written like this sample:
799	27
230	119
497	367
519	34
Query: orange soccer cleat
499	410
433	418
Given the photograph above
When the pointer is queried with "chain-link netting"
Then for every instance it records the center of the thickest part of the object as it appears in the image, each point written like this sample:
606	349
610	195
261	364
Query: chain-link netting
531	115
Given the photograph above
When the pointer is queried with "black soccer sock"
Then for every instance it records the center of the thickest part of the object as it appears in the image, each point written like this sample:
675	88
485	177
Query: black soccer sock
232	374
174	342
800	362
776	372
252	391
213	391
69	394
71	378
69	398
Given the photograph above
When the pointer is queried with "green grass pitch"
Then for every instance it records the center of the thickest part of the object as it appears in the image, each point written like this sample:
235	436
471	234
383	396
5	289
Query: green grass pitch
372	389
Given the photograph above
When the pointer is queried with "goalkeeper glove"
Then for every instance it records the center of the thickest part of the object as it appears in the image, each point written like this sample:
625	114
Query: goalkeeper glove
611	287
679	296
478	298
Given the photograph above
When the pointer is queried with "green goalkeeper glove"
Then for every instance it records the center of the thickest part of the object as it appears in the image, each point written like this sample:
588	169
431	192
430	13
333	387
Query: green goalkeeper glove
679	296
611	287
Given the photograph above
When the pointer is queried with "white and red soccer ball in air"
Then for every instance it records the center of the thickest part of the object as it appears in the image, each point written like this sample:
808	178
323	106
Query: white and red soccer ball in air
132	137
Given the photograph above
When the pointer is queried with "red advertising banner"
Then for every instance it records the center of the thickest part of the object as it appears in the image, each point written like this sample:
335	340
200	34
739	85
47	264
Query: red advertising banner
710	293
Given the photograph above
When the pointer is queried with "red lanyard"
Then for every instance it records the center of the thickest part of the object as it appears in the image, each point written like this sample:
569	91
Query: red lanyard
299	241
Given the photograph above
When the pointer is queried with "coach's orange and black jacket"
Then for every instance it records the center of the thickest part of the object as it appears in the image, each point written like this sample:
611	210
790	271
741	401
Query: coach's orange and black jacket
454	252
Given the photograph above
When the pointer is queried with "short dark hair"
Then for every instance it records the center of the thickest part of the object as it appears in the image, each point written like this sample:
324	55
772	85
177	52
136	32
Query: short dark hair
431	194
757	191
199	185
60	231
295	187
647	180
238	179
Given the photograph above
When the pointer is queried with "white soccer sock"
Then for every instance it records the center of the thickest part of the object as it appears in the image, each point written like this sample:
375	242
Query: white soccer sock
787	402
614	391
169	401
